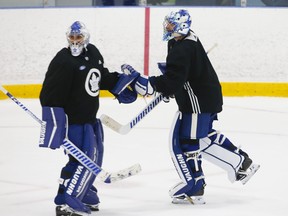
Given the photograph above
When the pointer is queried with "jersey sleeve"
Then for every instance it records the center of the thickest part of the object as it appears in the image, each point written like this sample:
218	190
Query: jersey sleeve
109	79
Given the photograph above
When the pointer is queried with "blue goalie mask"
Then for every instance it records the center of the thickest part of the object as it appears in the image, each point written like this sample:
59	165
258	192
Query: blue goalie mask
176	24
77	37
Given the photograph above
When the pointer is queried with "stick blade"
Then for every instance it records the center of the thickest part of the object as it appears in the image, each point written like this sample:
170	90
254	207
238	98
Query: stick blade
123	174
114	125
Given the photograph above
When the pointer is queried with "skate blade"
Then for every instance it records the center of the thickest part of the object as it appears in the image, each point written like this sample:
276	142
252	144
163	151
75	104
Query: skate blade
250	172
93	207
65	210
195	200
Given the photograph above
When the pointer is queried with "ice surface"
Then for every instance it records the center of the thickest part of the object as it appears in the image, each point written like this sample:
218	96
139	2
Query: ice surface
28	179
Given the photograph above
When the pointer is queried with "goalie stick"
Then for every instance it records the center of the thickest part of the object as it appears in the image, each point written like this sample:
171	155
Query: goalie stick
124	129
72	149
211	48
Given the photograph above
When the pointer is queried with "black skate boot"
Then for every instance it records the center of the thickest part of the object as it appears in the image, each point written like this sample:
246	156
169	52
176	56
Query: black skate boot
195	199
247	169
93	207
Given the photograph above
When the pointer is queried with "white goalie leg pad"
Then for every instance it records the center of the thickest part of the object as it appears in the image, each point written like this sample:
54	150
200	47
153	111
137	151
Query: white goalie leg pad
228	160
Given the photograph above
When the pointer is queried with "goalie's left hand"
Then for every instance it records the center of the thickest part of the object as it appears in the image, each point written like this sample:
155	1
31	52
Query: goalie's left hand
128	95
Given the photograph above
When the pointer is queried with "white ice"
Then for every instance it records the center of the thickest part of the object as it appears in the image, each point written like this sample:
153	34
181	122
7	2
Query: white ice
29	174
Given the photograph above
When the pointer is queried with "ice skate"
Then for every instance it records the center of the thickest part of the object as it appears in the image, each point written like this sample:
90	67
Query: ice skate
247	170
196	199
65	210
93	207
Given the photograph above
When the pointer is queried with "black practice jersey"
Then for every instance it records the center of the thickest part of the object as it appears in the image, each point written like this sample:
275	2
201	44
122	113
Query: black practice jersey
74	84
190	77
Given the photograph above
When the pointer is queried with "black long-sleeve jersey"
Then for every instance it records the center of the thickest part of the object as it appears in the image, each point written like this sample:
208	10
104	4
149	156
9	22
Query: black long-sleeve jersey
74	84
190	77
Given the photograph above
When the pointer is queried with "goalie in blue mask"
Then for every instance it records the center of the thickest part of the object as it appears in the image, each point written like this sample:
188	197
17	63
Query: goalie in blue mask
189	77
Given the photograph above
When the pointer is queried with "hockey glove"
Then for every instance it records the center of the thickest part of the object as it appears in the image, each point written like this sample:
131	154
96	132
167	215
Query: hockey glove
124	81
127	96
53	129
128	69
141	84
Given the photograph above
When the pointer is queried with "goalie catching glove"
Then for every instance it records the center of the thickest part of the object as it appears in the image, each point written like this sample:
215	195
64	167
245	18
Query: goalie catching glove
122	91
141	84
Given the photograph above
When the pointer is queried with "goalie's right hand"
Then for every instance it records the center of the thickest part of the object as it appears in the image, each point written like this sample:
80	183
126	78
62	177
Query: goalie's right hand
143	86
53	128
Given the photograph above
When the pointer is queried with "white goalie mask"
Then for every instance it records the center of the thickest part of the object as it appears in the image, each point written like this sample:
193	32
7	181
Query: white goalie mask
176	24
77	37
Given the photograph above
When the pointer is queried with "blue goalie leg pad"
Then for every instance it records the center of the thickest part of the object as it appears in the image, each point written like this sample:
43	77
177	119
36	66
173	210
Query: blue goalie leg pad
76	204
76	186
187	163
91	197
66	174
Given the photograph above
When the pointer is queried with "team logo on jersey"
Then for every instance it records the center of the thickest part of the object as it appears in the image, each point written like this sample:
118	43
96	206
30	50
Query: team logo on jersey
82	67
92	82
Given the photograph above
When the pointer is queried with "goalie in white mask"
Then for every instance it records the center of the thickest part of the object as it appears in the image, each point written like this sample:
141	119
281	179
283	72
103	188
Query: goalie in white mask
70	102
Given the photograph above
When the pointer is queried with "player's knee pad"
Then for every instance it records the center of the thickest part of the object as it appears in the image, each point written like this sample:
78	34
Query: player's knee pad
186	163
226	159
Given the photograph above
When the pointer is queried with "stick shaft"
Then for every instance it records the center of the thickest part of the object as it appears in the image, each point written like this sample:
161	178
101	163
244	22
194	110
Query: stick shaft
124	129
146	110
67	145
73	150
